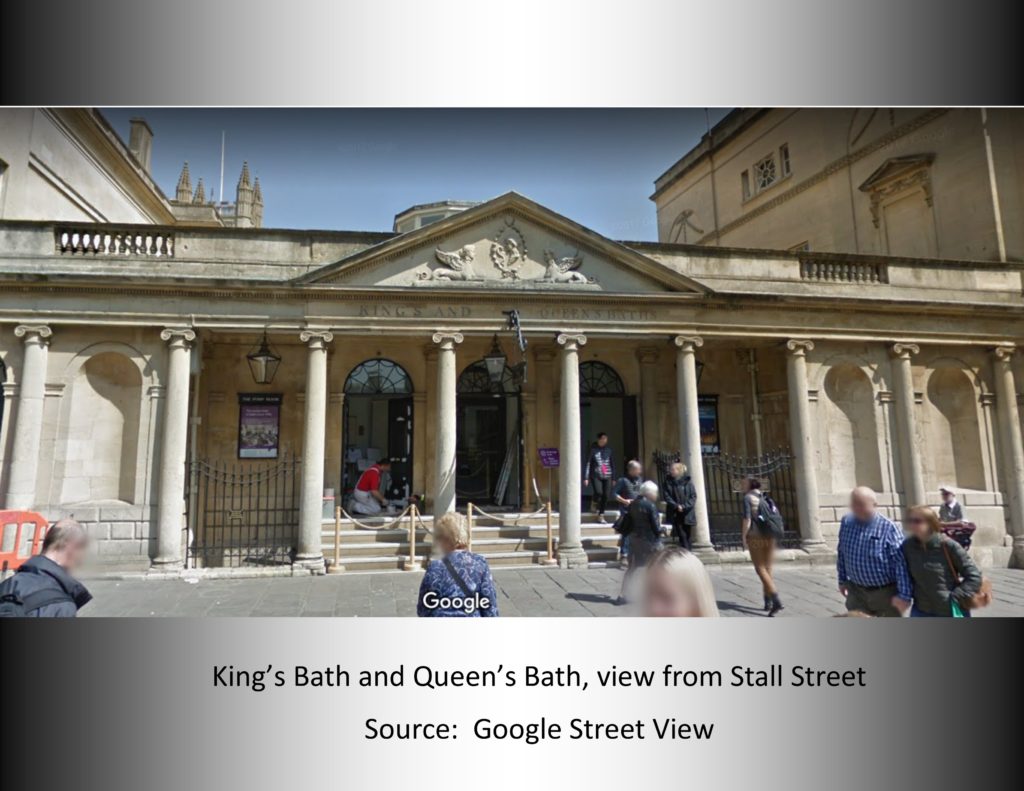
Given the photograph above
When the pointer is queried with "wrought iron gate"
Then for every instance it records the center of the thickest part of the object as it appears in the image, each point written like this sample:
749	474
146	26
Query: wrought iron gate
726	478
725	482
240	516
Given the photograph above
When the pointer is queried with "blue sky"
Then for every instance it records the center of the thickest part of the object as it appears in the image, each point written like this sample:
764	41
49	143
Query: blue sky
354	169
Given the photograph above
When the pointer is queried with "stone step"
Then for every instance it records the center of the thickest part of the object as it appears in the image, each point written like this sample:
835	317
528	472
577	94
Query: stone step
485	546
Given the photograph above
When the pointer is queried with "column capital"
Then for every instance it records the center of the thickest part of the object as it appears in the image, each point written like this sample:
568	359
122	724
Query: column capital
33	333
1004	353
316	339
447	339
798	347
688	343
177	336
571	340
904	351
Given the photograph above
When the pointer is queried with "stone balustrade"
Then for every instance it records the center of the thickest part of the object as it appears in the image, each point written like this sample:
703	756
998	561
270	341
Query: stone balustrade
103	241
843	271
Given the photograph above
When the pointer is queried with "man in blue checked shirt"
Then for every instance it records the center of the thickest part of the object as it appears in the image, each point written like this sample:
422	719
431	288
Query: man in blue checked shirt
873	573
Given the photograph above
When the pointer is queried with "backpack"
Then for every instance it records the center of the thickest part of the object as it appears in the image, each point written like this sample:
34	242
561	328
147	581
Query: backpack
769	520
14	606
624	524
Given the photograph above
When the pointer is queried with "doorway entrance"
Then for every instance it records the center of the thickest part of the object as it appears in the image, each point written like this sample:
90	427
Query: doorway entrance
488	447
605	407
377	422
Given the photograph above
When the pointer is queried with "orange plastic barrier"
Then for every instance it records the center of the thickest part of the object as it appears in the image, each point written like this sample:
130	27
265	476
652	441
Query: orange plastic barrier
12	559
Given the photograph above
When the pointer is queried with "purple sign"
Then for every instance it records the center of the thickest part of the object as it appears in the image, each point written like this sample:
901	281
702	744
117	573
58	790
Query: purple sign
259	425
548	457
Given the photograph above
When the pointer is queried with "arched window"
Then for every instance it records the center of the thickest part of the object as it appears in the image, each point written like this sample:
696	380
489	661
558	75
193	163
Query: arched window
598	379
378	377
475	380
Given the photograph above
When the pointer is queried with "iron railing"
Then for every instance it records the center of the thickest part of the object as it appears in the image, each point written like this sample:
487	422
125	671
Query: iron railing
241	515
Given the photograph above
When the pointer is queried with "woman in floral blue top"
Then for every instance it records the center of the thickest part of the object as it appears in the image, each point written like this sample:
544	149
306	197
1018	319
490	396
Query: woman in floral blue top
459	583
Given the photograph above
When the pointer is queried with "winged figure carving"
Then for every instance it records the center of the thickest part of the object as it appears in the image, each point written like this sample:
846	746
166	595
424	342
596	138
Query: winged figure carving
563	270
455	265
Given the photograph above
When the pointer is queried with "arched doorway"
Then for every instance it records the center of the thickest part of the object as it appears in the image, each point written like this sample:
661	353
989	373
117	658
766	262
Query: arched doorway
605	407
377	421
488	438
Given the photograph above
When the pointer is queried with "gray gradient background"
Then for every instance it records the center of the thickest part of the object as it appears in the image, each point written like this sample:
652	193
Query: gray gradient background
527	53
133	705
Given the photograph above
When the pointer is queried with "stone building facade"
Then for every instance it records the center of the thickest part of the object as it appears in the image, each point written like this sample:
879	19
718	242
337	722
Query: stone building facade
912	182
126	366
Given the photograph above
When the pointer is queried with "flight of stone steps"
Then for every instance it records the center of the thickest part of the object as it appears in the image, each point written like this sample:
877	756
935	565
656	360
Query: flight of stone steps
523	543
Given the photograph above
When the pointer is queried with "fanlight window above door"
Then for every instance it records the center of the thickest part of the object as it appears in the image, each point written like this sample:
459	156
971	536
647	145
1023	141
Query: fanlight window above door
476	380
600	379
378	377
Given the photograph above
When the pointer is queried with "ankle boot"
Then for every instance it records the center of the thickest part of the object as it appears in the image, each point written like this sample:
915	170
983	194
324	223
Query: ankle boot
776	605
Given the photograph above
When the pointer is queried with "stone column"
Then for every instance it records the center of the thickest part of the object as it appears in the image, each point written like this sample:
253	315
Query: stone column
173	448
648	358
308	552
28	420
689	436
1013	447
906	425
444	428
803	445
570	548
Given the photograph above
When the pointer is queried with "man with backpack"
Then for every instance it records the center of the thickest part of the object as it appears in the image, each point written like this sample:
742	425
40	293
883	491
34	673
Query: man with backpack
43	587
762	528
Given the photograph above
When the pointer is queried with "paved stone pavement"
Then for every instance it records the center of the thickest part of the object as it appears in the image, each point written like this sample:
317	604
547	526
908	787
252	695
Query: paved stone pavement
806	592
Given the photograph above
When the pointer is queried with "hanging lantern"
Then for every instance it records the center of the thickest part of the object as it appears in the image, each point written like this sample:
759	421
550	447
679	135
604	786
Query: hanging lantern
495	362
263	362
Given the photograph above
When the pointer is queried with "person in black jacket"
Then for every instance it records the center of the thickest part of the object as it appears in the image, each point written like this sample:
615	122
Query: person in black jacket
44	586
645	532
600	470
626	490
680	501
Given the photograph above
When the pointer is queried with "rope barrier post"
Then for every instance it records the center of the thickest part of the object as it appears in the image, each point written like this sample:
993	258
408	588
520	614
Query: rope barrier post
550	559
412	564
469	525
336	567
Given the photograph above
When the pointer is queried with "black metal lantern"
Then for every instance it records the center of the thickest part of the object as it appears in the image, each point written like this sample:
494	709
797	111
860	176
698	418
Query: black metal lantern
495	361
263	362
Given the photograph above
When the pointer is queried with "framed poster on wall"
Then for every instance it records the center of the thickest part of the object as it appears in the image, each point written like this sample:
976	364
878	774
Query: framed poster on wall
707	411
259	425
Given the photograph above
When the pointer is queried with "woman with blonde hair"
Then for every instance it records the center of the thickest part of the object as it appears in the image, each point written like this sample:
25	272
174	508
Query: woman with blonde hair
678	585
944	576
459	583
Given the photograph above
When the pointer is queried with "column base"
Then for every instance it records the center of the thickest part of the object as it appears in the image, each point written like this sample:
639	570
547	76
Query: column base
572	558
814	546
1017	554
167	564
706	553
314	564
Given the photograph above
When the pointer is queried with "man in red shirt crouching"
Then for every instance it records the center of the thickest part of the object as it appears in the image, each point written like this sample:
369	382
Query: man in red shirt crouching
367	497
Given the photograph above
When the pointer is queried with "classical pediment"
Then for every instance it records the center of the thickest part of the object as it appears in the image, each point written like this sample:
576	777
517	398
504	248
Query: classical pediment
507	243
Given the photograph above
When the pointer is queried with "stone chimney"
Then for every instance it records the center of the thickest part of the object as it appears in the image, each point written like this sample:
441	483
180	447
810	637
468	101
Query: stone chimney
140	143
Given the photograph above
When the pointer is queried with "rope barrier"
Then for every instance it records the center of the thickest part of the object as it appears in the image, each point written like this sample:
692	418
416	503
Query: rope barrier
516	521
366	526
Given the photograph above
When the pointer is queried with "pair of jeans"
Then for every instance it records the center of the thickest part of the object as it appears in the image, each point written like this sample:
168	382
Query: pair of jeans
602	493
873	601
